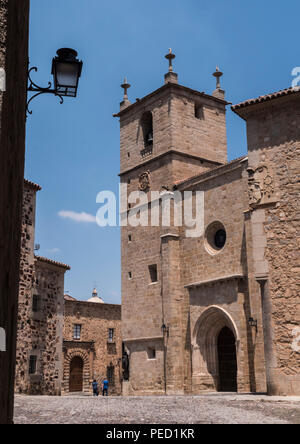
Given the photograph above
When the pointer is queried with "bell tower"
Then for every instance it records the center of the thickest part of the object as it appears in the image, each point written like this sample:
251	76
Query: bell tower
169	135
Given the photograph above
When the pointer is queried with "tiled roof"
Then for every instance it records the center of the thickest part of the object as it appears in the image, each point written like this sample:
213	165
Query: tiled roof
32	185
49	261
67	297
266	98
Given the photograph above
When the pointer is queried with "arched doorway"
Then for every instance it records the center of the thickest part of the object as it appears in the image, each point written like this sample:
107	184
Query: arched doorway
76	375
227	361
215	352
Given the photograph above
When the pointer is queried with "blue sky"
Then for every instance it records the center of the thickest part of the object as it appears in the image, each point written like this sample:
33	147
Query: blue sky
73	149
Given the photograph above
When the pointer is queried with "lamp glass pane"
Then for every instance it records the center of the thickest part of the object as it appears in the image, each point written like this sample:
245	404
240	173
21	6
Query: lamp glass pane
66	74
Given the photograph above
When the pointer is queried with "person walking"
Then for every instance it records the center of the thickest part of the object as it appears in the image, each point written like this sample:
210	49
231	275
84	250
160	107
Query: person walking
95	388
105	385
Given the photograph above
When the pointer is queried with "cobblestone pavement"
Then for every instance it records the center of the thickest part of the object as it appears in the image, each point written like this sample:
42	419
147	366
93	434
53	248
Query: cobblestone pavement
206	409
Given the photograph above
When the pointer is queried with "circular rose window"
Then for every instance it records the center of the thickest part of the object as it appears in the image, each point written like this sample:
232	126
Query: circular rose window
215	238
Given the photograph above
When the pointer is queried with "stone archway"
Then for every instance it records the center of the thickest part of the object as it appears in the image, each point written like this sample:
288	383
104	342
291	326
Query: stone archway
206	353
77	371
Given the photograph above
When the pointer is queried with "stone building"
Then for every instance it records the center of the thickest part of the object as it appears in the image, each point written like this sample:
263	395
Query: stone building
39	363
62	344
217	312
92	345
14	20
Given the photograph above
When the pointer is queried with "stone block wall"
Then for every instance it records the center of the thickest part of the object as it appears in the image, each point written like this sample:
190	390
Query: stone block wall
14	19
274	144
40	329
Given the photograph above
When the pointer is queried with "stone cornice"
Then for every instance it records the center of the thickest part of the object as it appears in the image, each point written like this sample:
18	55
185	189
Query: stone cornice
212	174
171	151
216	280
172	88
154	338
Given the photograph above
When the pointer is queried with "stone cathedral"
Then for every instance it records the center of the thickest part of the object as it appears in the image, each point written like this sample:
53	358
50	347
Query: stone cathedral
219	312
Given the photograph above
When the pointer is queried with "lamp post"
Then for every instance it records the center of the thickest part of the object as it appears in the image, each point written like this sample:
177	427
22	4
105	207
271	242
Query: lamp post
66	71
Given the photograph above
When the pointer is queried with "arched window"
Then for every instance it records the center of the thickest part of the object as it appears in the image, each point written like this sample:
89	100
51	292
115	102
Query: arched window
147	128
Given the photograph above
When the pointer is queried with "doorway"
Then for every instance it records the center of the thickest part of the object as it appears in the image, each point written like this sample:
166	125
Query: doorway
76	375
227	361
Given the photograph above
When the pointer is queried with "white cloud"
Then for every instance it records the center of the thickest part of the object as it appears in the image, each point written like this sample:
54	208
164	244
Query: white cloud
53	250
77	217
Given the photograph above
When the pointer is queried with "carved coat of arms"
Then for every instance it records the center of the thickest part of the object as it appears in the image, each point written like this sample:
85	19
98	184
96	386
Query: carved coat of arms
261	185
144	181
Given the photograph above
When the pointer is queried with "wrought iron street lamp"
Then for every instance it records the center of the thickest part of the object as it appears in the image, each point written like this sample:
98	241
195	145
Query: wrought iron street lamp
165	330
66	71
252	323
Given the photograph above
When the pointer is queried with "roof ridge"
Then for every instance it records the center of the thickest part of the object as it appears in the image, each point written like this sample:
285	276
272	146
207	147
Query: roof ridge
52	262
33	185
266	97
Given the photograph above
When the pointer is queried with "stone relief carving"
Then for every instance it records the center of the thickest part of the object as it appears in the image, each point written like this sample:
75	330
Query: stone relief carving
144	181
261	185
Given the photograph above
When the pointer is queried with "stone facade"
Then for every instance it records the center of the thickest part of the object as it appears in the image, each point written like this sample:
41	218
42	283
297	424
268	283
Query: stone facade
40	312
212	317
273	130
14	19
99	352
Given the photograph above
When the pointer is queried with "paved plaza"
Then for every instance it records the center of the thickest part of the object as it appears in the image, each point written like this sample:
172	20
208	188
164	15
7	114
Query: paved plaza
205	409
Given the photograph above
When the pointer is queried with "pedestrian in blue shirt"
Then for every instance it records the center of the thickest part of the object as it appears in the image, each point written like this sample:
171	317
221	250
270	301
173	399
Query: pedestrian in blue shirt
95	388
105	384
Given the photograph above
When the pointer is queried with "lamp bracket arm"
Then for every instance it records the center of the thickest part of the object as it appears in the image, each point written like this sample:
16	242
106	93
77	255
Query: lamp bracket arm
33	86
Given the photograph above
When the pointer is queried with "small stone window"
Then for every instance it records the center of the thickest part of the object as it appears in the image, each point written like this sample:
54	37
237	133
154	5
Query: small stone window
151	352
199	111
153	274
129	275
77	332
111	334
32	365
36	303
130	238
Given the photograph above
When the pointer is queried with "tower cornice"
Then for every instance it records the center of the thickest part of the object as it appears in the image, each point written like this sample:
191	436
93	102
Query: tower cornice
172	88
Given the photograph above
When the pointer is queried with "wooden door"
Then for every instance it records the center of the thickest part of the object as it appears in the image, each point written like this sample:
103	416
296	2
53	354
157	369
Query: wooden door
76	375
227	361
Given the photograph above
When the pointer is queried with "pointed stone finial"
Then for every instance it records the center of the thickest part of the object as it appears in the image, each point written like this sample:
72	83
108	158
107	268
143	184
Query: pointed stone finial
126	87
219	92
171	77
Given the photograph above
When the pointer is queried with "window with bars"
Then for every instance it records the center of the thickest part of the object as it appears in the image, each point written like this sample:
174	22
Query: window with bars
111	334
32	365
77	331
